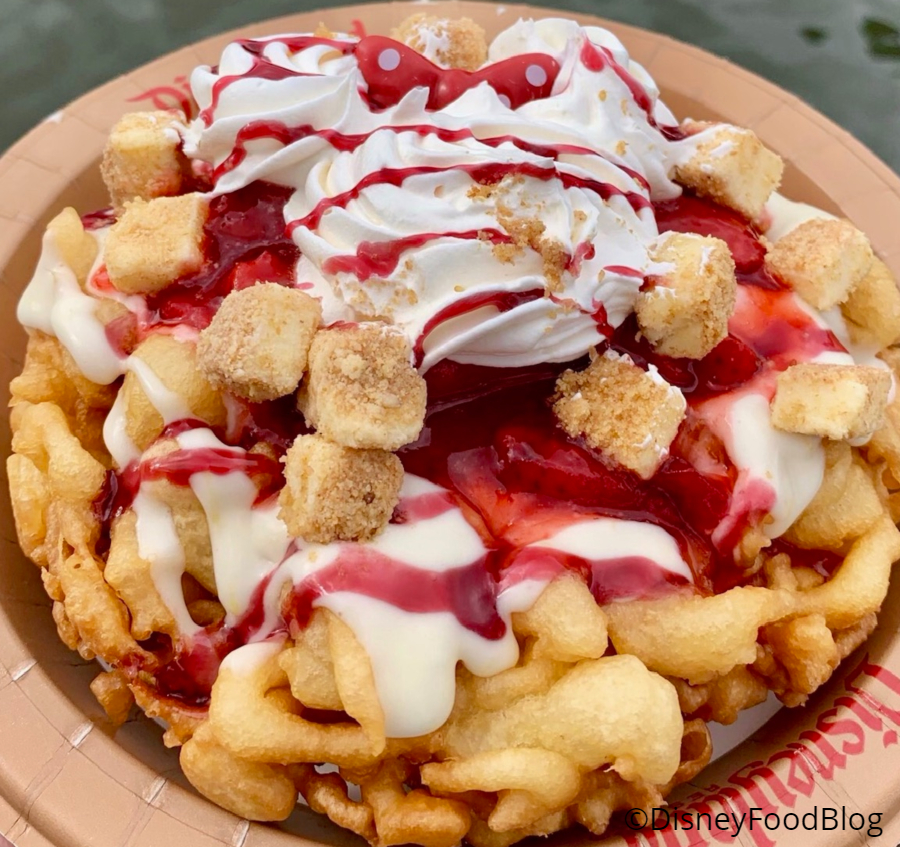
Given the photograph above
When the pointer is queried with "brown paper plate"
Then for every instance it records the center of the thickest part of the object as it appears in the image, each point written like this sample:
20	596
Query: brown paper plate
66	781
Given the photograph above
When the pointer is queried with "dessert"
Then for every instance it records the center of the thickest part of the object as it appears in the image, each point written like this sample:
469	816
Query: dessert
449	414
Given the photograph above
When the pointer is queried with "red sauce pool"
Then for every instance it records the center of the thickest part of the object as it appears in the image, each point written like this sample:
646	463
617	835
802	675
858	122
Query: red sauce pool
506	459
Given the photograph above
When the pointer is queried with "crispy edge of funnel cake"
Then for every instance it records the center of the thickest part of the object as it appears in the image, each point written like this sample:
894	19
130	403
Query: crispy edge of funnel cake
552	741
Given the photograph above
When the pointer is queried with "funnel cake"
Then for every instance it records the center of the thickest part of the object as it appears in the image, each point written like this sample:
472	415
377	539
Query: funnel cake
441	411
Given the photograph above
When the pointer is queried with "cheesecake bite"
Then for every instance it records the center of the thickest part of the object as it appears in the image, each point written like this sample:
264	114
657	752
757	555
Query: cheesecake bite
835	401
143	158
822	260
362	390
155	242
626	413
731	166
258	341
684	310
337	493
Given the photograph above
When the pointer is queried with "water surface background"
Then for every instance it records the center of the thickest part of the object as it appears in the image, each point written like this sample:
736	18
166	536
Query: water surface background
842	56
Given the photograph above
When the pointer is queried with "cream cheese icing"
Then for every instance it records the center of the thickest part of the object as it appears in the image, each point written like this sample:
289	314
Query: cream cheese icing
54	303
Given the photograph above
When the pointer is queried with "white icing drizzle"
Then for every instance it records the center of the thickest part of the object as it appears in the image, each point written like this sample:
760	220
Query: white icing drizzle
414	654
158	544
414	658
598	539
783	468
247	542
170	404
115	435
54	303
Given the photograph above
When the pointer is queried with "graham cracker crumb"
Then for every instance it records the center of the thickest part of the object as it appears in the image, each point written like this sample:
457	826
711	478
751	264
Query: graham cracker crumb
528	232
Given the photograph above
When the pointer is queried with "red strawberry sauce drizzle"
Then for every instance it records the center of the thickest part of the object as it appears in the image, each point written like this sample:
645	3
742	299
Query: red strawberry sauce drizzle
390	70
345	142
189	668
380	258
469	592
490	438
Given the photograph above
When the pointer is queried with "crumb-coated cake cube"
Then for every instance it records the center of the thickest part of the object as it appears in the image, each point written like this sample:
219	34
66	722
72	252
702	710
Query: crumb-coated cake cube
732	166
335	493
822	260
684	310
873	308
833	401
629	414
461	43
361	389
155	242
257	343
143	157
76	248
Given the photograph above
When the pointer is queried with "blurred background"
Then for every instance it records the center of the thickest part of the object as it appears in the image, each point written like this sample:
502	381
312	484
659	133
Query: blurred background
842	56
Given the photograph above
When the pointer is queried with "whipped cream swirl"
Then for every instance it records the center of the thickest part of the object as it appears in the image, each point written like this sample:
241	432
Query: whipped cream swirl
490	235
